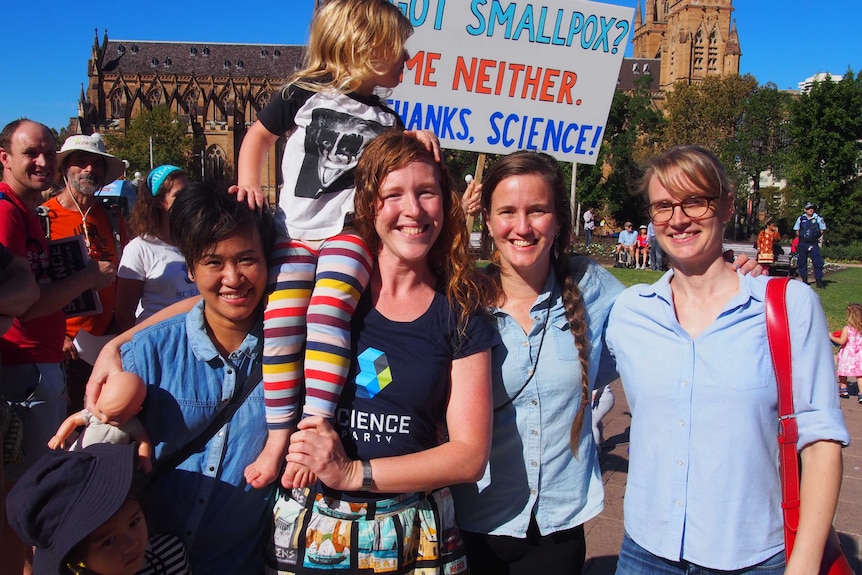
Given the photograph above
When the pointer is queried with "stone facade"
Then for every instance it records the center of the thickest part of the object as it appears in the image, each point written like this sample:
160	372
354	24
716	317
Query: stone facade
693	39
216	89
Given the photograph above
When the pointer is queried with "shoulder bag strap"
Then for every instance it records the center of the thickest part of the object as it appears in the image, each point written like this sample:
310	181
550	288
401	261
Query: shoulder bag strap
222	417
778	334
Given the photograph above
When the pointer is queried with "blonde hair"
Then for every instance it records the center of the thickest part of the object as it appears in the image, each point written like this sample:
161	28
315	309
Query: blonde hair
854	316
348	43
449	257
685	171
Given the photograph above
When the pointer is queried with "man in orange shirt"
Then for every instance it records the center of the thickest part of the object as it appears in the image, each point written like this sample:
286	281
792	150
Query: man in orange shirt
85	167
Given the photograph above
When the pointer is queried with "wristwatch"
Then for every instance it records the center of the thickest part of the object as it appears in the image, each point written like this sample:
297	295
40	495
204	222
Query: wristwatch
367	479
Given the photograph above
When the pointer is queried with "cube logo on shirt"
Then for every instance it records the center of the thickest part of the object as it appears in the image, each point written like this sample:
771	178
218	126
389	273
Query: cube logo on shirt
374	373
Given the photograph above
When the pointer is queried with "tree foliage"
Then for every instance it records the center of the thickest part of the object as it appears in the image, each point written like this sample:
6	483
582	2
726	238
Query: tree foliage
171	141
826	130
632	132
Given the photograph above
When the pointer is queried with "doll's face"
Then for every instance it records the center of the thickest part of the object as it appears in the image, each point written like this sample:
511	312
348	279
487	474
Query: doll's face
121	397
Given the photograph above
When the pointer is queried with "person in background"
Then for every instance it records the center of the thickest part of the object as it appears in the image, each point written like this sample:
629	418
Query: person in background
152	273
643	248
767	241
850	354
628	242
702	430
656	260
85	167
809	229
589	226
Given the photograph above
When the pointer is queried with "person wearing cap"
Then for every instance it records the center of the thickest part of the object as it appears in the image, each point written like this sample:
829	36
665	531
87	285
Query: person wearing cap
85	167
79	510
33	381
152	273
809	229
628	241
643	248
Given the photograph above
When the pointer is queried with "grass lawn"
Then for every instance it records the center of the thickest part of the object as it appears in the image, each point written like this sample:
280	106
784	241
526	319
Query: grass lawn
842	287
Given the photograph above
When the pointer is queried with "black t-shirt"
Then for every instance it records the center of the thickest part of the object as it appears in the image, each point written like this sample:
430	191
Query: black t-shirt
396	398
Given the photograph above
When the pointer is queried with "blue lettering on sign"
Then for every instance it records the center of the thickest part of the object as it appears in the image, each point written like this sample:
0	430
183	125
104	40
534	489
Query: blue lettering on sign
445	121
417	11
543	134
516	22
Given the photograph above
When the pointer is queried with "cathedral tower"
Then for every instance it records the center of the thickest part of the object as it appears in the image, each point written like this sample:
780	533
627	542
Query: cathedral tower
693	39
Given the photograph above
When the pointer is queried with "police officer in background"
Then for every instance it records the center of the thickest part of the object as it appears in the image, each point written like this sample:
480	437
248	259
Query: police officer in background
809	229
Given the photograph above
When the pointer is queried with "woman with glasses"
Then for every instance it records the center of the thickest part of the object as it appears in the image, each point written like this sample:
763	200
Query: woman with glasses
703	491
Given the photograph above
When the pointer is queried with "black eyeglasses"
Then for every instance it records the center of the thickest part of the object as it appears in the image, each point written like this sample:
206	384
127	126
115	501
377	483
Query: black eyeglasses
695	207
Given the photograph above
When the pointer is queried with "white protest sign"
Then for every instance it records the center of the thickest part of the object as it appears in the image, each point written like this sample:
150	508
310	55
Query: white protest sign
498	76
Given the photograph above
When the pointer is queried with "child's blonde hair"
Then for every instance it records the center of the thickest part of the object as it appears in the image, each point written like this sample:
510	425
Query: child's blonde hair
349	42
854	316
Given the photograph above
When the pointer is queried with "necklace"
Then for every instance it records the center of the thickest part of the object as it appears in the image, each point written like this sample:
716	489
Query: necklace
83	219
535	364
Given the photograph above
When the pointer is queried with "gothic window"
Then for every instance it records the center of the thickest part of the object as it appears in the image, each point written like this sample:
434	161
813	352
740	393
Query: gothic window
713	53
697	65
215	161
190	102
155	98
118	110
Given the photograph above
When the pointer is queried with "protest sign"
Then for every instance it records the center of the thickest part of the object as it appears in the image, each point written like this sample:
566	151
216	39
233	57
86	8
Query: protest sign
498	76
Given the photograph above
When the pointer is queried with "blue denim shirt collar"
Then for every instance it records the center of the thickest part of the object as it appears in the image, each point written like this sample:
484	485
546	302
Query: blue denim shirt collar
203	347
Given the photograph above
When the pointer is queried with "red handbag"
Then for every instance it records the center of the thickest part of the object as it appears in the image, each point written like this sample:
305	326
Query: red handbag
778	333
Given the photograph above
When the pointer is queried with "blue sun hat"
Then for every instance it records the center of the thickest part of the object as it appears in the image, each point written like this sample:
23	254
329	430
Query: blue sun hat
158	175
67	495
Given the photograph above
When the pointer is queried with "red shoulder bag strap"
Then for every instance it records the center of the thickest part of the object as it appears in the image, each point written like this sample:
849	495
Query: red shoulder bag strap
778	334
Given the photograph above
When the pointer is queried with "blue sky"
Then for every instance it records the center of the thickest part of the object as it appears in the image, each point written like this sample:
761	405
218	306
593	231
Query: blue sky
44	59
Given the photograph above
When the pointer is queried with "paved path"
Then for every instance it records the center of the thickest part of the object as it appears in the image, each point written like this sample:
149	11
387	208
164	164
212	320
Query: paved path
605	533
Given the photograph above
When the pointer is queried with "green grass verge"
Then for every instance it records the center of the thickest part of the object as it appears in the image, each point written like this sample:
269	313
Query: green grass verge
842	287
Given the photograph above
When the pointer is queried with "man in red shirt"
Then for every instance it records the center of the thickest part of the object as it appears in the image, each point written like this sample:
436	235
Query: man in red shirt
32	379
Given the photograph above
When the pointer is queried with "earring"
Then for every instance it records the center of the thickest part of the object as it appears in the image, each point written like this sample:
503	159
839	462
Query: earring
555	252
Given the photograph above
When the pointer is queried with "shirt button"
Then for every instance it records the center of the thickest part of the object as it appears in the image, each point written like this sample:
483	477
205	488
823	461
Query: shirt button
677	503
530	371
679	462
534	432
684	383
526	343
682	423
532	491
230	372
534	402
221	433
534	463
212	468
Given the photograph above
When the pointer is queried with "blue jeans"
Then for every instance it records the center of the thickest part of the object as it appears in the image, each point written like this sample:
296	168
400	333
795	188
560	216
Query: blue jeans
588	233
635	560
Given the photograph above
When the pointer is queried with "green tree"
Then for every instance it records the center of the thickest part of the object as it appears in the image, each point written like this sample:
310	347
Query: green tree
172	142
632	132
761	144
709	114
826	129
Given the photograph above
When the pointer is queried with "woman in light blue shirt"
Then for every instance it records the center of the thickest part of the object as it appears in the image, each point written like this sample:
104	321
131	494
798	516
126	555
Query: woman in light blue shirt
703	491
543	480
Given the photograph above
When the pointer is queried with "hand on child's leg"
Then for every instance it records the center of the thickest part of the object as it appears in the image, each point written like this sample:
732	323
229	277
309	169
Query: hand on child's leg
263	470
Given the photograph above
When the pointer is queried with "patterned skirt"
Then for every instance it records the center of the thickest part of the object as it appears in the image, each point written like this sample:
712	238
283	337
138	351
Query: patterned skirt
414	533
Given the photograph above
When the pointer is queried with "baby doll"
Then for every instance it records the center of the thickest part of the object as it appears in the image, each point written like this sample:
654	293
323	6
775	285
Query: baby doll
121	399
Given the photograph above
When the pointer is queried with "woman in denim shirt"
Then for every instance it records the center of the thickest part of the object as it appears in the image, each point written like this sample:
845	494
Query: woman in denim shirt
703	493
543	480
